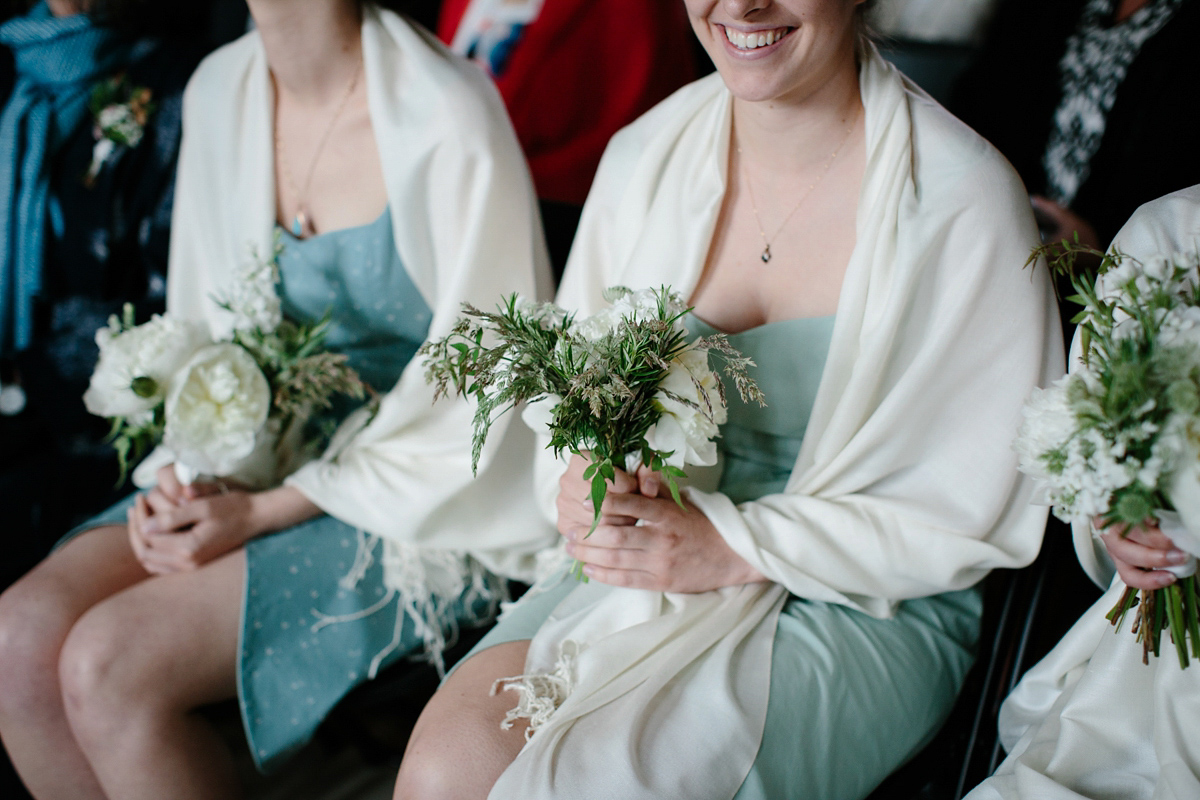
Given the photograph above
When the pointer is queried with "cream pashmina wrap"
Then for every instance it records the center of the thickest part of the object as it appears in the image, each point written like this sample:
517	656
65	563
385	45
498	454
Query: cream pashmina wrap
466	229
1090	720
905	486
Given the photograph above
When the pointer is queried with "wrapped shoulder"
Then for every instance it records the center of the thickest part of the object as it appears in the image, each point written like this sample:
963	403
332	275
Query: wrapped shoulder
1172	216
653	135
957	170
461	101
218	76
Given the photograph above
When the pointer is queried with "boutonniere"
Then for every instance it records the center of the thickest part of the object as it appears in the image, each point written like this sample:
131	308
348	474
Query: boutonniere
119	114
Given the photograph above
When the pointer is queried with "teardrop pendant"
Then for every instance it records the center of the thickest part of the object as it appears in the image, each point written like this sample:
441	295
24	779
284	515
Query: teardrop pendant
300	224
766	254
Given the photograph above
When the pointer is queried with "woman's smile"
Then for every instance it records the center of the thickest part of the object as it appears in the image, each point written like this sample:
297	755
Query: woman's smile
755	42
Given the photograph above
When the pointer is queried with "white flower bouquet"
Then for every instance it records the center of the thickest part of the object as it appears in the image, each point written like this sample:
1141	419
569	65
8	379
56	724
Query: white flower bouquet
1118	439
228	409
623	387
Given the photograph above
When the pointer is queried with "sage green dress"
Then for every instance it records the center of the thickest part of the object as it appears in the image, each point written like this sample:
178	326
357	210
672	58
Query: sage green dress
852	697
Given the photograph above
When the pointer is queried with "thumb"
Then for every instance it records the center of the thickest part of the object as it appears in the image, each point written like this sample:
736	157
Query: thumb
649	481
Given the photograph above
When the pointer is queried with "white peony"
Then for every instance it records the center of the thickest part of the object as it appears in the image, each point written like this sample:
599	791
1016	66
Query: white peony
136	367
216	410
688	431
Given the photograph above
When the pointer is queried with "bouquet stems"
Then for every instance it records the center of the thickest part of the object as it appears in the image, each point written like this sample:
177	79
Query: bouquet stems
1175	609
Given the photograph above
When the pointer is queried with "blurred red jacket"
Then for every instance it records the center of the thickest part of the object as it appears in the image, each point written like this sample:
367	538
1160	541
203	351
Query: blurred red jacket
581	71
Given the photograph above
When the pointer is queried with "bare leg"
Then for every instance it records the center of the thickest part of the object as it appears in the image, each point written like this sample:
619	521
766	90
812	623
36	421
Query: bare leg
457	749
36	614
134	668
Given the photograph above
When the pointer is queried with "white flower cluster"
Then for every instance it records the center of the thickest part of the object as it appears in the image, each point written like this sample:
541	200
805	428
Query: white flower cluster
692	412
214	398
1078	456
136	366
254	299
547	315
628	308
118	122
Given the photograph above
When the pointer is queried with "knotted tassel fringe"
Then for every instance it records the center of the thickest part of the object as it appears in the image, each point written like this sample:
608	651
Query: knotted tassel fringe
425	584
540	694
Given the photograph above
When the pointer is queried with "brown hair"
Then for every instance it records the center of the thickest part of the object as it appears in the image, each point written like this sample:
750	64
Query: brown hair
864	33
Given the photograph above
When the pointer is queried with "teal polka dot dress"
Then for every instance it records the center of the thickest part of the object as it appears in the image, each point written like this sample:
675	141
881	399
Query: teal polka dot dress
311	630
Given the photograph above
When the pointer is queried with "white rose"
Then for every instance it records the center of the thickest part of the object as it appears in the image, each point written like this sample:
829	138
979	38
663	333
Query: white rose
687	431
135	368
216	410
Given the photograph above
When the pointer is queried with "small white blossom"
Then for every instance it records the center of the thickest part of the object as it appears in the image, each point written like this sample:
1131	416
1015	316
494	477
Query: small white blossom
1047	425
254	299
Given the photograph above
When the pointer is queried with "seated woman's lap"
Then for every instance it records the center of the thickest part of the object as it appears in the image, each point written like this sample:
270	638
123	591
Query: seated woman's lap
852	697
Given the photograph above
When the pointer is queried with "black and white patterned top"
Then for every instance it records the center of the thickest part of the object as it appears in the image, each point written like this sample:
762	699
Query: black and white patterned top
1092	69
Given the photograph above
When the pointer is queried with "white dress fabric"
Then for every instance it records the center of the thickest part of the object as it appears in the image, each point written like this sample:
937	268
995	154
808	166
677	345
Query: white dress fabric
905	485
466	230
1091	720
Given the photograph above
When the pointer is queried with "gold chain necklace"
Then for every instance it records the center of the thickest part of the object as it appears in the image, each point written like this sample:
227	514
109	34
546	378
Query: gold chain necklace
302	222
766	253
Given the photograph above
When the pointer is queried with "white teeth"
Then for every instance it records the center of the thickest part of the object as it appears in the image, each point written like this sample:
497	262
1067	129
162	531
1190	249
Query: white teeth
750	41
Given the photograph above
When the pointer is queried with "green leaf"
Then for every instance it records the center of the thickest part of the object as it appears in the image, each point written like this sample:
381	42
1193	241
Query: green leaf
673	485
599	491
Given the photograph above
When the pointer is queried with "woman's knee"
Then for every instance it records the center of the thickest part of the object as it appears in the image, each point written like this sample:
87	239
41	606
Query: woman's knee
102	671
458	748
34	620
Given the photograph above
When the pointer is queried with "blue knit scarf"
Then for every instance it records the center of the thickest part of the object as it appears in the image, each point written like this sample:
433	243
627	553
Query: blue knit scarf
58	61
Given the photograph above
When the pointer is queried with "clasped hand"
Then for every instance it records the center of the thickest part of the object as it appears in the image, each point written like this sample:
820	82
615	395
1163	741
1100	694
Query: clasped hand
673	549
1141	554
176	528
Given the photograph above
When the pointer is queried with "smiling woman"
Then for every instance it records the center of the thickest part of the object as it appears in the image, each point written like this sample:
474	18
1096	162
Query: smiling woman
803	630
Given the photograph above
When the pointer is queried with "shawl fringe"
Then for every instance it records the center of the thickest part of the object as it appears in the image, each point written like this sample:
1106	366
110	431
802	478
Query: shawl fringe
425	586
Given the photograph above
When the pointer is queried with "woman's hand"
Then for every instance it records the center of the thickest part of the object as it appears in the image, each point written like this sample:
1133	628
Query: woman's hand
673	549
1141	554
575	497
1064	223
177	528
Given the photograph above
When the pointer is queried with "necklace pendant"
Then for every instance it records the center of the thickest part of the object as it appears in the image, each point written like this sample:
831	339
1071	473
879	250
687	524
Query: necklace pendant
300	225
766	254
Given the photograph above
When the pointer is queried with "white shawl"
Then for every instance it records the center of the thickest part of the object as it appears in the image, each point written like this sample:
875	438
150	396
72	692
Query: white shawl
905	485
466	229
1090	720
